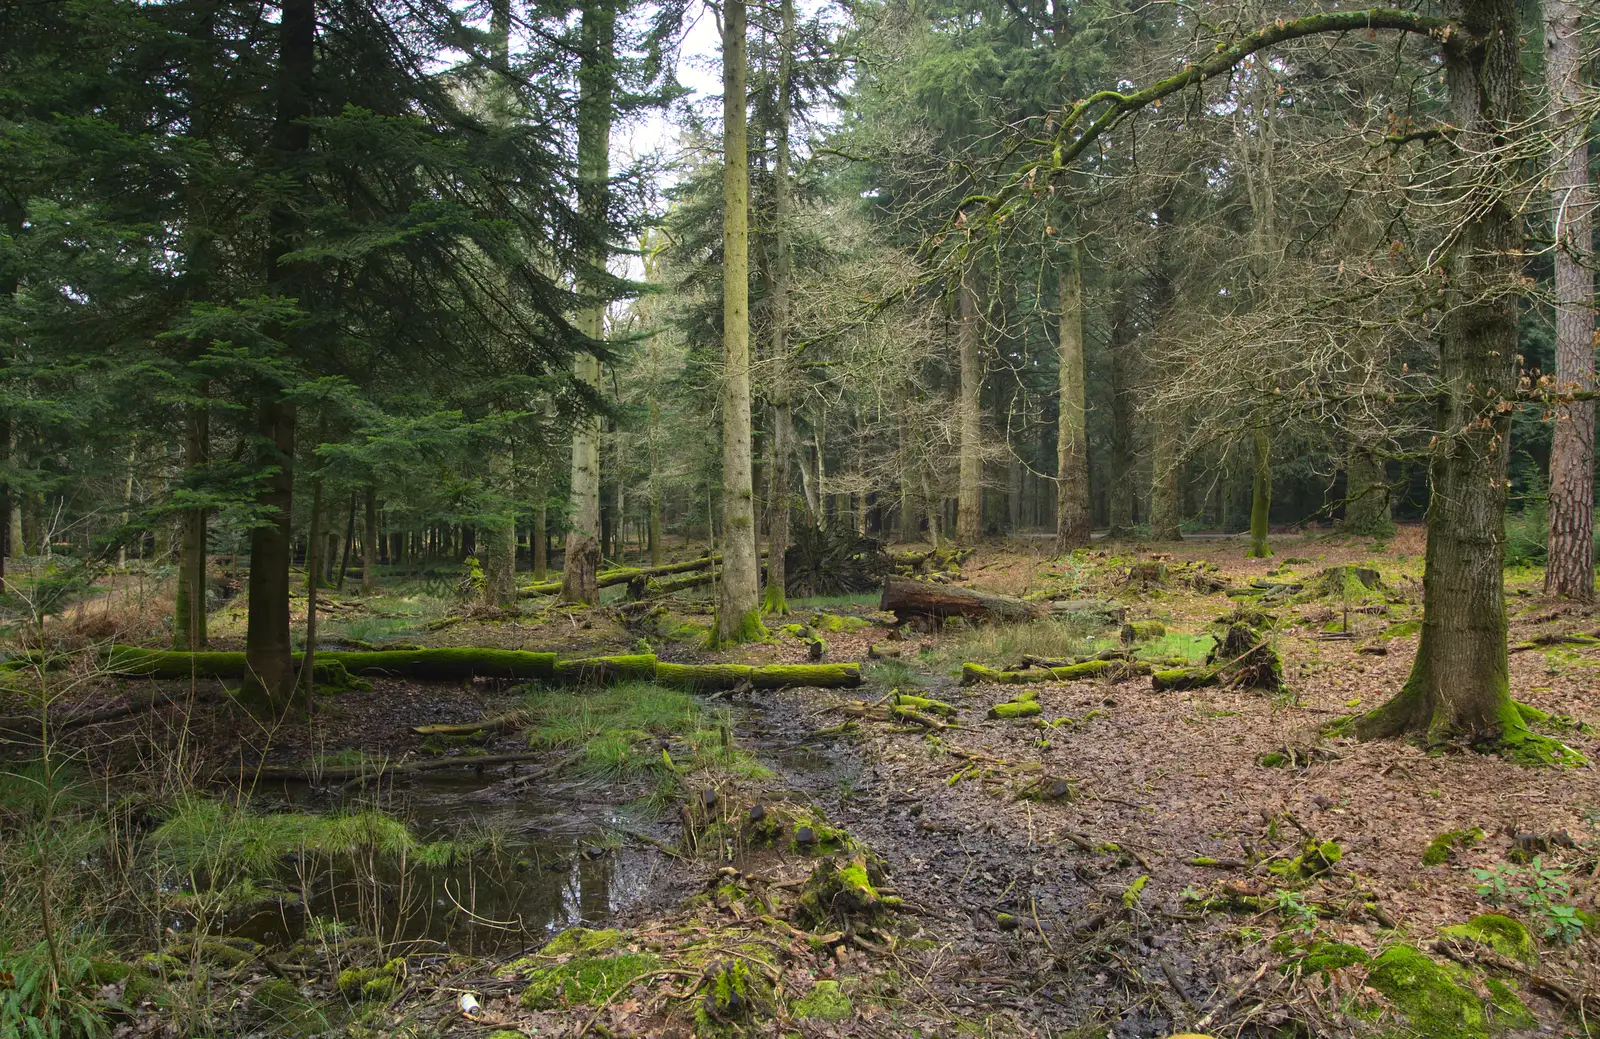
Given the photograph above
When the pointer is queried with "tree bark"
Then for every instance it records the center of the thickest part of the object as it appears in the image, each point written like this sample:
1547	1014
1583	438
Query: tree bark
369	543
1122	453
581	561
1569	567
189	606
738	616
267	641
1260	492
1165	458
1367	503
1074	519
776	601
969	409
1459	681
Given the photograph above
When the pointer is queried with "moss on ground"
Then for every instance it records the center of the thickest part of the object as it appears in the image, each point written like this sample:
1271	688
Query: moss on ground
586	979
1441	848
1499	932
825	1002
1434	1004
280	1007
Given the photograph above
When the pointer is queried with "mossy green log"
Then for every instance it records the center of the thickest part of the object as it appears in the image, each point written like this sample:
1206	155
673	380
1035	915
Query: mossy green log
429	664
633	667
710	677
925	704
971	673
1142	631
1015	709
587	979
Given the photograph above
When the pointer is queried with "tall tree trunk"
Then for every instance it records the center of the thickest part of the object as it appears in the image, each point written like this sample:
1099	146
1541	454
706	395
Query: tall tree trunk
738	615
776	601
1260	492
1165	458
189	606
1459	682
1367	503
500	538
1123	459
969	409
1569	569
596	81
541	543
1074	521
369	543
267	642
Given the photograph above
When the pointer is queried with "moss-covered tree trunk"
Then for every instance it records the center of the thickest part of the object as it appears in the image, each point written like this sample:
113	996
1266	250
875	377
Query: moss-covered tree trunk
969	408
738	614
776	601
596	83
189	606
1074	520
1260	490
1459	685
1569	568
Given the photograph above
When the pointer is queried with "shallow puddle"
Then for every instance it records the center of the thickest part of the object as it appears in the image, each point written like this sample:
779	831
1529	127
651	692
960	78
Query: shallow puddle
547	865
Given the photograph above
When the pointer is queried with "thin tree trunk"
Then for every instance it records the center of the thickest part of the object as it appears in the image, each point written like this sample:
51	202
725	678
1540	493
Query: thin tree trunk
369	543
189	607
349	539
1165	458
1074	519
581	561
969	410
1123	460
1260	493
1367	503
1569	569
776	601
738	614
541	543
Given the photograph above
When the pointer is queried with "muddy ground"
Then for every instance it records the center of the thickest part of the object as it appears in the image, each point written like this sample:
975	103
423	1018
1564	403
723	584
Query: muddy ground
1127	861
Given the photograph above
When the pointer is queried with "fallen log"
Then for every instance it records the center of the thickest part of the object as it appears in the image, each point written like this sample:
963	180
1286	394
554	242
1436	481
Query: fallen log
515	665
907	599
718	677
499	723
974	673
639	587
458	663
625	574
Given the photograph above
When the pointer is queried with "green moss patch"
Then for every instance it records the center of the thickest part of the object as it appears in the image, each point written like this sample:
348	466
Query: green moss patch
833	622
1315	859
280	1007
1442	848
1323	956
1435	1006
586	979
1504	935
825	1002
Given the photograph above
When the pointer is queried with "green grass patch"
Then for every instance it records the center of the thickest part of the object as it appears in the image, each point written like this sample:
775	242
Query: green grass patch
1001	644
619	733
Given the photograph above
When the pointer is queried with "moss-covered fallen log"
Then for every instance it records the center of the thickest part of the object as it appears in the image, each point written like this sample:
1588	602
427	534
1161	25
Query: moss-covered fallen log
718	677
974	673
625	574
458	663
464	663
499	723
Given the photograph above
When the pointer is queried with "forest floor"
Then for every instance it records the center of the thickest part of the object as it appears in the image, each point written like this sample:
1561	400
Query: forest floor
1125	861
